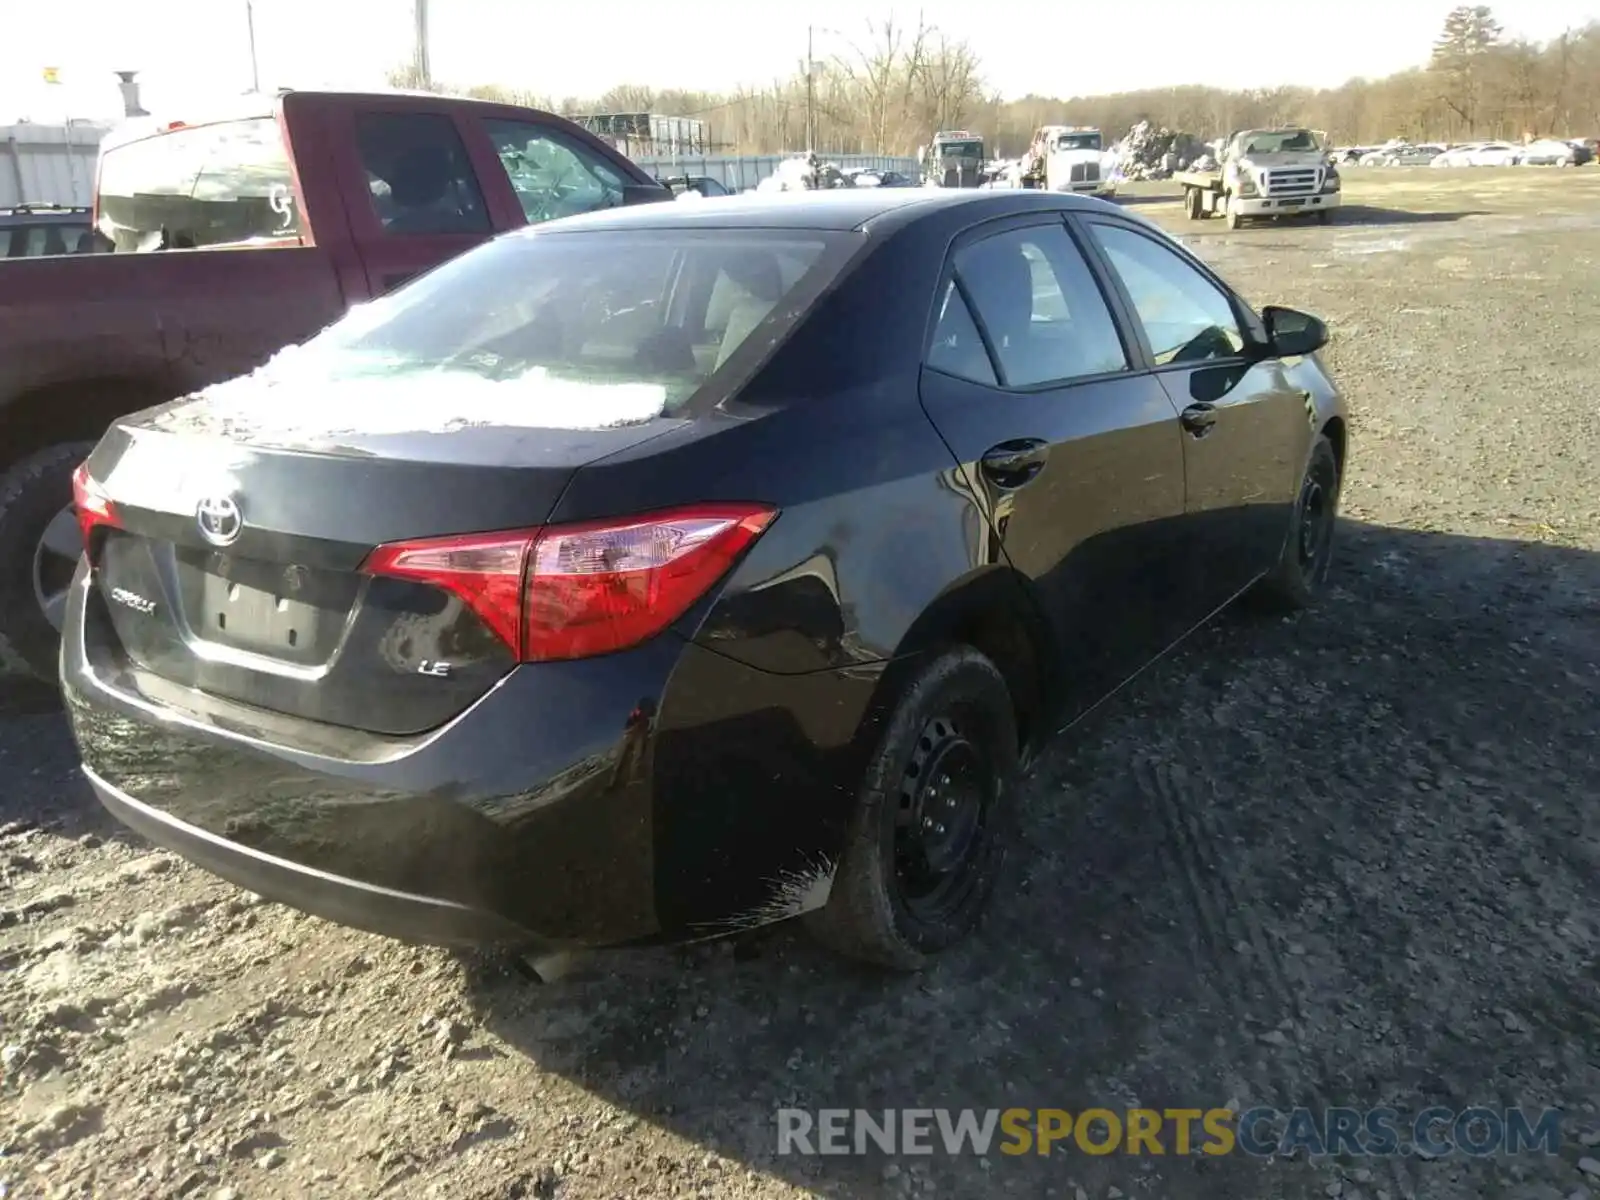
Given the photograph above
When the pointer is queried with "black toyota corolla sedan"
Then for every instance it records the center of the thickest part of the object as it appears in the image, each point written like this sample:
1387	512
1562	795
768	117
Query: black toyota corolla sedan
672	570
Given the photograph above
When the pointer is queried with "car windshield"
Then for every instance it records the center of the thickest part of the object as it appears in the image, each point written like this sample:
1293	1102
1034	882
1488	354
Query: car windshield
1279	141
594	319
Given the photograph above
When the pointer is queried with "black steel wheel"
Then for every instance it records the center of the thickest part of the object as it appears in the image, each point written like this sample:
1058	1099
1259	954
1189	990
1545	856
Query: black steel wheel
934	820
1302	568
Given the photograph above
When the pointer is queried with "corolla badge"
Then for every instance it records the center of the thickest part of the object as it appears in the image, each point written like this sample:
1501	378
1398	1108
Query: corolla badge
219	519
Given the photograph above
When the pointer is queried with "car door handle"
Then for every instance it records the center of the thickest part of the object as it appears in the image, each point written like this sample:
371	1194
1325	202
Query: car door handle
1012	464
1199	419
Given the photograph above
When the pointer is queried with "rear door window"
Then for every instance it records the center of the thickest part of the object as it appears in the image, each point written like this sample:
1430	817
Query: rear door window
554	175
225	184
418	174
1040	306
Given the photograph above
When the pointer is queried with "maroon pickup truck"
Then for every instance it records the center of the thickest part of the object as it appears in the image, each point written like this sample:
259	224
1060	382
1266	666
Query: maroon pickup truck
231	238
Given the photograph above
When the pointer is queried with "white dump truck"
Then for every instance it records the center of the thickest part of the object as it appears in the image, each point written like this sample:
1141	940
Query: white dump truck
1265	173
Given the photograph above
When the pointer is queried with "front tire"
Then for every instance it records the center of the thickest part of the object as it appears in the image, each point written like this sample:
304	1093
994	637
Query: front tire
933	822
39	549
1235	218
1302	568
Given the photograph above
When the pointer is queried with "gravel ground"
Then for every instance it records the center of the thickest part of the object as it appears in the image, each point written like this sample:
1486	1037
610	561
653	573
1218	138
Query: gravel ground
1348	857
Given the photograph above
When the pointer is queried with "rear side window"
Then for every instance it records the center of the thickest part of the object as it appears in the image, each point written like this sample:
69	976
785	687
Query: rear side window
533	328
957	347
419	176
552	174
226	184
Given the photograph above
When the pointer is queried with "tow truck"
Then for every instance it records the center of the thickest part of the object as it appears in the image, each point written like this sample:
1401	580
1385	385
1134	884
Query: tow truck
1265	173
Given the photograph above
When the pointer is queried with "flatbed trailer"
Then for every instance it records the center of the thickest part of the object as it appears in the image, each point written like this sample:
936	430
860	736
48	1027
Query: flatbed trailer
1202	193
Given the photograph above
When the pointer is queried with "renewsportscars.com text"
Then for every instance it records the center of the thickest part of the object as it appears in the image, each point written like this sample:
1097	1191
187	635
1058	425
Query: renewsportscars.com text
1258	1132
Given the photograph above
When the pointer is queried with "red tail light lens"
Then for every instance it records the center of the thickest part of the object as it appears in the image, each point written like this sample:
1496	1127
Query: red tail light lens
573	591
91	503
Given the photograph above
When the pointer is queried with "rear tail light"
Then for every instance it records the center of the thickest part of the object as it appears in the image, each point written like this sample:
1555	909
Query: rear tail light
91	503
572	591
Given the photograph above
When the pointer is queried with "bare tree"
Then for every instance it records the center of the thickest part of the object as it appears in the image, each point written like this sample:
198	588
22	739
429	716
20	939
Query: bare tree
903	82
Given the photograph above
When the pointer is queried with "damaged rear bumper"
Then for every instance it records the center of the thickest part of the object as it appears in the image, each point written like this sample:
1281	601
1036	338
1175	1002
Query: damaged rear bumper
665	793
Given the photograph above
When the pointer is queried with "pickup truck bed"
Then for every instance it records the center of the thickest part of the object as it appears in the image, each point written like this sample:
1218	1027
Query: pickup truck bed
337	198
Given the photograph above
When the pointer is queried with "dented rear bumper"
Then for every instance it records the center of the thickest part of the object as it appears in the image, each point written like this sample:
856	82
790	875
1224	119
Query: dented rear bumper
662	793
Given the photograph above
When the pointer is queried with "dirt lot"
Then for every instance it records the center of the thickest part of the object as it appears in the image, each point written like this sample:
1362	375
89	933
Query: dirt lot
1349	858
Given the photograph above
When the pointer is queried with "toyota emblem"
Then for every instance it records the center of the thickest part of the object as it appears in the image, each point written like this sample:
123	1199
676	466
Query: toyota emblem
219	519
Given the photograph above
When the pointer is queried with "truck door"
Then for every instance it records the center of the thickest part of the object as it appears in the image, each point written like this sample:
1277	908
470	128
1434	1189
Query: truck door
413	195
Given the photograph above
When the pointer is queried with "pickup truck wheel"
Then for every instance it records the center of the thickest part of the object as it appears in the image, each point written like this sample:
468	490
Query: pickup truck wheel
1193	204
1235	219
39	547
1325	216
933	821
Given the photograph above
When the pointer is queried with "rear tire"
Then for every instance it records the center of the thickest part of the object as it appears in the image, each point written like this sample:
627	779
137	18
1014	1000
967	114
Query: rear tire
1302	567
37	557
1193	205
933	822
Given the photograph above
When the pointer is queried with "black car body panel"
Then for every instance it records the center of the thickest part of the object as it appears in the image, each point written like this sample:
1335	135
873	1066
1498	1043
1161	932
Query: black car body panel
700	781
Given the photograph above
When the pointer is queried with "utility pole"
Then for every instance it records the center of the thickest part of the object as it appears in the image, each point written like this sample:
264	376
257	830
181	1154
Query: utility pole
811	91
250	23
424	75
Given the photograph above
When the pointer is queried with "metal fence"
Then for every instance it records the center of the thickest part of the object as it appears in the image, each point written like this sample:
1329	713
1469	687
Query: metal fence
48	164
745	171
54	164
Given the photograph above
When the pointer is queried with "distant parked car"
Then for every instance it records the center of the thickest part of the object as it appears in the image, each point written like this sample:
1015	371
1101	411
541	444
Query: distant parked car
1549	152
1402	156
1480	154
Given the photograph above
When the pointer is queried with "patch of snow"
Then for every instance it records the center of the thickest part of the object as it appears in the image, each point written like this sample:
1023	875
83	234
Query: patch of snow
290	396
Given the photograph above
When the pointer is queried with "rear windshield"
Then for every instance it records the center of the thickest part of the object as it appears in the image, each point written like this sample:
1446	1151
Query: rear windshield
959	149
226	184
590	328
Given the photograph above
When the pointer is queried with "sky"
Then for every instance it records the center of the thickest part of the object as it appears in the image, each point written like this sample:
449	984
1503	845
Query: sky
188	51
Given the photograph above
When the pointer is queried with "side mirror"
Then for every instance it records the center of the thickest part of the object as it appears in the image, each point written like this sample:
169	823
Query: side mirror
1291	333
645	193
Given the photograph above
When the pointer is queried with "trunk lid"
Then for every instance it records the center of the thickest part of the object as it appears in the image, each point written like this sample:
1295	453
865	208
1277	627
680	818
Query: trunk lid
242	527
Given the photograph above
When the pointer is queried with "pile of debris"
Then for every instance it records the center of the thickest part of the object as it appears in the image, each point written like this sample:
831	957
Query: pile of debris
1149	152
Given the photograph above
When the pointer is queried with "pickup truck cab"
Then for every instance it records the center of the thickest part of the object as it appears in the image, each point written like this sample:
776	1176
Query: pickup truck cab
233	235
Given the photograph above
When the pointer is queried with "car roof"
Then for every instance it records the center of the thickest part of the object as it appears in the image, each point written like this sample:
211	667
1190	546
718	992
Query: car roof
868	210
